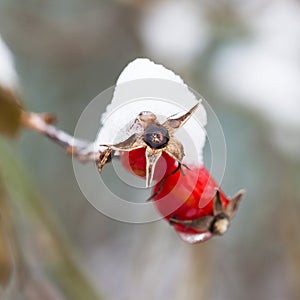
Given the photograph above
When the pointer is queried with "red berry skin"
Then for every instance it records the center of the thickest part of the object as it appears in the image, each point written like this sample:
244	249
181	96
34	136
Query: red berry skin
185	195
134	161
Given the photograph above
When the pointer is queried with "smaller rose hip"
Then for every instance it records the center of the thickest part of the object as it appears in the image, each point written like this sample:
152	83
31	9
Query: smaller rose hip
201	210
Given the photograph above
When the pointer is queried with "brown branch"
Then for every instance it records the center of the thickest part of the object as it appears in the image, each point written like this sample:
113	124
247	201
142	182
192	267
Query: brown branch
42	123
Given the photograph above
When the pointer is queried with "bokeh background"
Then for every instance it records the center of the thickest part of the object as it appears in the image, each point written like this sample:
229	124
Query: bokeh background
244	58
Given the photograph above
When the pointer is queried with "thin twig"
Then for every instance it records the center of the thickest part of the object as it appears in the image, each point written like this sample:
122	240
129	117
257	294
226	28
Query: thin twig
42	123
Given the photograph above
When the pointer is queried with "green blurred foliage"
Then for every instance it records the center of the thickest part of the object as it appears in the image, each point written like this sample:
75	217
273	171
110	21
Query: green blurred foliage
38	245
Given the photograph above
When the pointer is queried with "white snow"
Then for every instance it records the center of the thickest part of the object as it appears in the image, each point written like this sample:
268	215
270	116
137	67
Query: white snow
174	31
146	86
263	72
8	75
142	68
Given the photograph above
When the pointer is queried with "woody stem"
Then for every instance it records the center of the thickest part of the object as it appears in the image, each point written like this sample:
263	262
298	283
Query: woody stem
42	123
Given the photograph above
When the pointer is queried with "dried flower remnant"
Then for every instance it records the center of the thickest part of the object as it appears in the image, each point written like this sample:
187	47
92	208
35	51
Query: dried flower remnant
197	212
155	138
146	131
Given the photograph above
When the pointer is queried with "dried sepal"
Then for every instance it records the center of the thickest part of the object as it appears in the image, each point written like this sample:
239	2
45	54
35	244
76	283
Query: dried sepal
199	224
132	143
152	157
175	150
173	123
155	137
234	203
217	204
103	158
219	221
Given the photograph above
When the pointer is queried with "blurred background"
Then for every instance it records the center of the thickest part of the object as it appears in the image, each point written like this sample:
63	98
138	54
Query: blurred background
243	57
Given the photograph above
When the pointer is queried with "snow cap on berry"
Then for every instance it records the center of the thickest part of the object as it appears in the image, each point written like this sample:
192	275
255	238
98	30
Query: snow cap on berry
146	86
